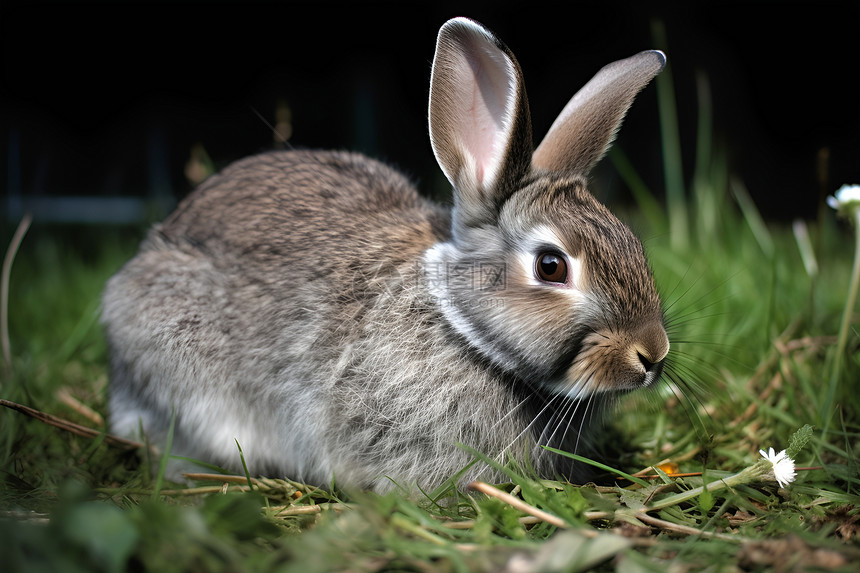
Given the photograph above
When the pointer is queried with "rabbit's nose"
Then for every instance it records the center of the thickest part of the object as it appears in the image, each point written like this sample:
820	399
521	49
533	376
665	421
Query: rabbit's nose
654	369
652	346
647	362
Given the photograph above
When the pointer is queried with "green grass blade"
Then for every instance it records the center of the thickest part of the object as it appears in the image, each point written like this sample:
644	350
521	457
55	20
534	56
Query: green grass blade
752	217
244	466
671	140
599	465
648	205
162	464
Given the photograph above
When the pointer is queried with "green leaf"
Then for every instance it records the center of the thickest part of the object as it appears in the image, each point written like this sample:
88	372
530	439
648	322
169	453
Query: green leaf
572	551
706	501
706	498
238	515
634	499
798	441
103	531
575	500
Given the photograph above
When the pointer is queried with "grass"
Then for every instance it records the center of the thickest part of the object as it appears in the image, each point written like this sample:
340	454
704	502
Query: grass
754	339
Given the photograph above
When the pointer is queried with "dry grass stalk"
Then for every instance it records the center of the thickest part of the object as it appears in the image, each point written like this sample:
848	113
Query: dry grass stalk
517	503
64	396
14	244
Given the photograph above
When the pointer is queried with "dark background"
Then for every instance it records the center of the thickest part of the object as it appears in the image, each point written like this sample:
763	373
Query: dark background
107	99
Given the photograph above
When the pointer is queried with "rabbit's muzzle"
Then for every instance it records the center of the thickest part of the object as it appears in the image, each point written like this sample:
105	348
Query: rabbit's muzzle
612	360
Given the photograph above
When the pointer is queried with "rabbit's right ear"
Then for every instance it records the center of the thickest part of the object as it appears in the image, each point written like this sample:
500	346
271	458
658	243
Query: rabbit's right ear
480	127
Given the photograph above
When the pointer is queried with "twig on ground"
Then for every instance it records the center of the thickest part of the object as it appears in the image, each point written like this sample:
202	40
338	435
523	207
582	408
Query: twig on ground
260	483
68	426
685	529
189	491
292	510
220	477
528	520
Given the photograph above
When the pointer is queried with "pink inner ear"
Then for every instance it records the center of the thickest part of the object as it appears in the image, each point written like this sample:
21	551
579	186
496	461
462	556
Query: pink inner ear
479	174
489	89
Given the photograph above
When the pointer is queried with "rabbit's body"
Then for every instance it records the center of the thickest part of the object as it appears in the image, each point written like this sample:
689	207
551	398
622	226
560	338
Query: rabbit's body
314	308
338	389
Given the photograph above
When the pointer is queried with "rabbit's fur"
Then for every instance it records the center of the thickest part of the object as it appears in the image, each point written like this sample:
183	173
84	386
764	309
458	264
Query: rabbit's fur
313	307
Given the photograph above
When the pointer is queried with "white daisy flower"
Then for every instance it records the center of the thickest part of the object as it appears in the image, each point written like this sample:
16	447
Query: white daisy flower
774	466
783	465
845	197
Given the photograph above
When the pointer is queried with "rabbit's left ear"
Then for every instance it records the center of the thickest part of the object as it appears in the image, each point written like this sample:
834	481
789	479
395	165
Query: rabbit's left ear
583	131
480	127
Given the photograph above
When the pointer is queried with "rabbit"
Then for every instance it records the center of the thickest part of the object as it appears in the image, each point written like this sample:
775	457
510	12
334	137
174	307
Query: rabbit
313	308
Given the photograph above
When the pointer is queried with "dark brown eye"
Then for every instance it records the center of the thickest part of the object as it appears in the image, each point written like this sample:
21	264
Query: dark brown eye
551	268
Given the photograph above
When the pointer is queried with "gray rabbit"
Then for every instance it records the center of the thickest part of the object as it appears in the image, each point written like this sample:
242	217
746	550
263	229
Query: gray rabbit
312	306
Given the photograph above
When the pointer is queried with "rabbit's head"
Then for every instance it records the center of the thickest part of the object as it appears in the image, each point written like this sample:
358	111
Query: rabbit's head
538	276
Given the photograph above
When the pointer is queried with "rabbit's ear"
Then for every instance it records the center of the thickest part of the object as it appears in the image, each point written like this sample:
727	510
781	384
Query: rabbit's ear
587	125
480	128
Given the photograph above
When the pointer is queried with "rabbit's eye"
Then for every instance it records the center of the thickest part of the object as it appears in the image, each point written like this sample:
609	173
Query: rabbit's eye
551	267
